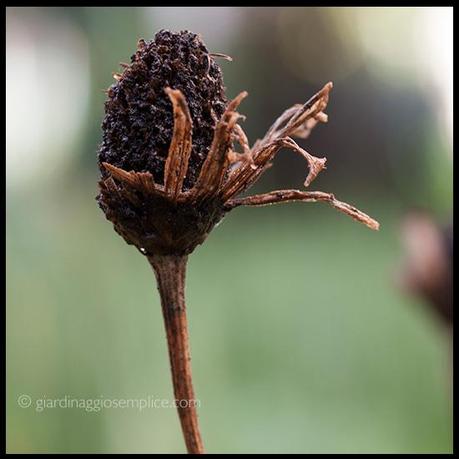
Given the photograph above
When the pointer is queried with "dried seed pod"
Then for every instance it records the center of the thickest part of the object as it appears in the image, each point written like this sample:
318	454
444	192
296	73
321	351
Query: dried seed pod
139	131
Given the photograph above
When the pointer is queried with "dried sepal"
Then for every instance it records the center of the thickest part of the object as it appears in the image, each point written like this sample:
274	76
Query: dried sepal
180	147
244	175
139	180
316	165
304	131
355	213
215	166
281	196
240	137
295	118
108	186
293	122
280	121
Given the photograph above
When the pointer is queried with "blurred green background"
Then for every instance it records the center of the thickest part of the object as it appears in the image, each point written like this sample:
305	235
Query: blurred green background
301	339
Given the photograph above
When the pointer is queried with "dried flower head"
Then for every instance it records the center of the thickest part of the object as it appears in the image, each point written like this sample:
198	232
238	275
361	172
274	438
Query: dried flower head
170	169
174	159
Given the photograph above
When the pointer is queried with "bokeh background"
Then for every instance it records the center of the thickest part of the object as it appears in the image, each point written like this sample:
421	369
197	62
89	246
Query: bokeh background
302	340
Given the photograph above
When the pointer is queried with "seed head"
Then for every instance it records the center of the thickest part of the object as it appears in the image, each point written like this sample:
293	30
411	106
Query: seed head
138	123
169	158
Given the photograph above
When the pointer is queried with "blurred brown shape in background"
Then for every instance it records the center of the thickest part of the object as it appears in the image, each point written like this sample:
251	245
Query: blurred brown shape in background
427	270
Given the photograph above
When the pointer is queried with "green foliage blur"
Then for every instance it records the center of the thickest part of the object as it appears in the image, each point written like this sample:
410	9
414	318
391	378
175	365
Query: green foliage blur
302	340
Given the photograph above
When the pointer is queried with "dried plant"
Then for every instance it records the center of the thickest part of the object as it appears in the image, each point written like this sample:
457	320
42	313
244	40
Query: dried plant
171	170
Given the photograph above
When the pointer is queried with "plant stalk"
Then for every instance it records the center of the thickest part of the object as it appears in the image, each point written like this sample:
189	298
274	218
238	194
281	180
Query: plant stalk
170	275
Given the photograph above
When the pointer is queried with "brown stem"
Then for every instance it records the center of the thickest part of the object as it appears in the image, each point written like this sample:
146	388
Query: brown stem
170	275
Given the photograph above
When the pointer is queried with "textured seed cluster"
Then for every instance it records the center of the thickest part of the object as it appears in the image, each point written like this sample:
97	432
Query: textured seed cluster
138	123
